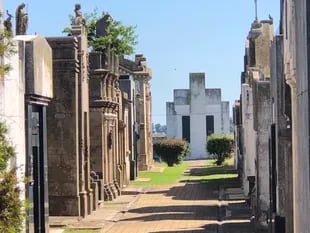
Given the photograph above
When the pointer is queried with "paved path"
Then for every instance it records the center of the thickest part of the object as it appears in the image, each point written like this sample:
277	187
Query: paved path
189	206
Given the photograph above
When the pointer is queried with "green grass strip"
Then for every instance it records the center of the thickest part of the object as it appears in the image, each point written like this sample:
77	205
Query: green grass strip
170	175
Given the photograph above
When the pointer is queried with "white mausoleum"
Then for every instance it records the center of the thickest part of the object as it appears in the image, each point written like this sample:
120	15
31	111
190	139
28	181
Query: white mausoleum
196	113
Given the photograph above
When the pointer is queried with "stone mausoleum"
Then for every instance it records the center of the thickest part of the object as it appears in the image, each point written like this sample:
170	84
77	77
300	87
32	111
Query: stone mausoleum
196	113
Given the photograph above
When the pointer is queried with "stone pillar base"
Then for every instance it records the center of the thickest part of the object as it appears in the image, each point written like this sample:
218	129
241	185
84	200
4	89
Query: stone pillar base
94	186
83	204
143	163
108	195
90	201
117	187
113	189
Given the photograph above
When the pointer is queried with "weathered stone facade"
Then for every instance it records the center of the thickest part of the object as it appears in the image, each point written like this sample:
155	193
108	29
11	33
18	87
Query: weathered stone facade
289	180
256	117
295	27
109	122
281	143
70	193
104	104
142	75
127	85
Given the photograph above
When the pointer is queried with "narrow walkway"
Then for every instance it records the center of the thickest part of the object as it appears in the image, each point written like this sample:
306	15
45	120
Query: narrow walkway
192	205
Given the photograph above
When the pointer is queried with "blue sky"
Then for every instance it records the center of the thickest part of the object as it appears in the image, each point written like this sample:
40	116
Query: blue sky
176	36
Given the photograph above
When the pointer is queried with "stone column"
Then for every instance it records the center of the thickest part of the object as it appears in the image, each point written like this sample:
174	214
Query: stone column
149	125
116	154
106	176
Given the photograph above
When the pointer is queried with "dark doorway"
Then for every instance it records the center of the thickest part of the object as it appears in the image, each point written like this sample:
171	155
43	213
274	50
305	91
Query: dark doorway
37	169
186	128
209	125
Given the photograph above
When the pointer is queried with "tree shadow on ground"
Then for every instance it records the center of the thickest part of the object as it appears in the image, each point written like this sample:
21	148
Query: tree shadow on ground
157	192
199	189
217	180
184	212
194	190
205	171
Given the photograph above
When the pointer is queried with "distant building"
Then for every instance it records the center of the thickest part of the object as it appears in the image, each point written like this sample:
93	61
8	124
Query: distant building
196	113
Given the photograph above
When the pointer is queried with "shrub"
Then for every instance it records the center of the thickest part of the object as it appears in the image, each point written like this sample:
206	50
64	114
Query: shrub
220	145
11	216
172	151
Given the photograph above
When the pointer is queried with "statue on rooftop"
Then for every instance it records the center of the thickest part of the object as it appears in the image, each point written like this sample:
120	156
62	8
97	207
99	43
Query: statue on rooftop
21	20
78	15
8	24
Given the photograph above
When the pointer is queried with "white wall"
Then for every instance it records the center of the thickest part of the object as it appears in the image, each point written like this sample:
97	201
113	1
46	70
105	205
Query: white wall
249	150
301	118
216	111
196	103
225	117
171	120
12	112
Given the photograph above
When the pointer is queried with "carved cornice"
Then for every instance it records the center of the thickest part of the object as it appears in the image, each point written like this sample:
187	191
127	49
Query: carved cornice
36	99
107	104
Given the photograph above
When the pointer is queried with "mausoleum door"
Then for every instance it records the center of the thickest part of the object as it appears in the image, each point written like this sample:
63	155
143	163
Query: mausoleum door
37	168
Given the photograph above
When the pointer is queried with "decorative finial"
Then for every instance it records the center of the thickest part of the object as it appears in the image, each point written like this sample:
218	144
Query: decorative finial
78	20
256	10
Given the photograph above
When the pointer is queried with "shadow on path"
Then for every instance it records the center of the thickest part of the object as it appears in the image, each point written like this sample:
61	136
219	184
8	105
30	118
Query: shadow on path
195	199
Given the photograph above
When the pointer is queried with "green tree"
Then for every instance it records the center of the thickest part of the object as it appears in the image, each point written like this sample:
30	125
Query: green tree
7	48
11	216
121	38
220	145
172	151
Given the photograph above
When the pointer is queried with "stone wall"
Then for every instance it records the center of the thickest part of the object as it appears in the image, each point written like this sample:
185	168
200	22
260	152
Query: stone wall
256	115
262	116
248	137
68	126
282	187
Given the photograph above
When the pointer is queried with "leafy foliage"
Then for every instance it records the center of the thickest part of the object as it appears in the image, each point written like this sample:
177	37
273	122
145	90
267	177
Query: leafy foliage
6	151
7	48
172	151
120	38
158	128
221	146
11	216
